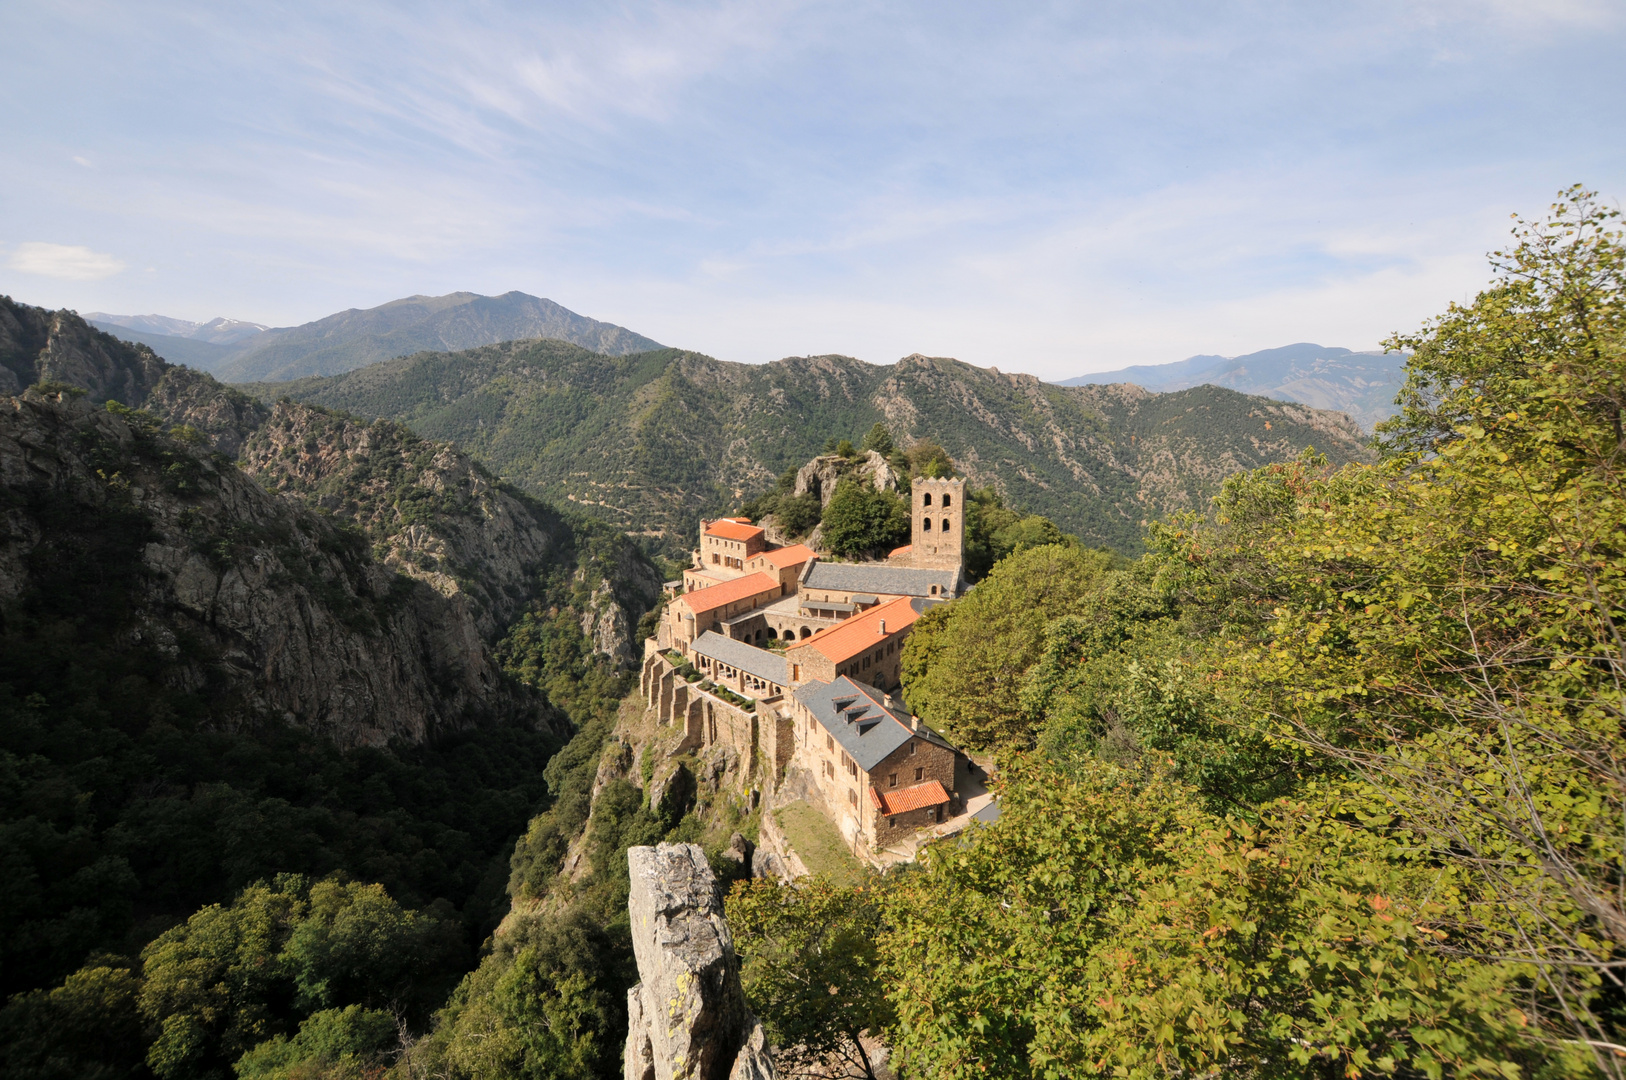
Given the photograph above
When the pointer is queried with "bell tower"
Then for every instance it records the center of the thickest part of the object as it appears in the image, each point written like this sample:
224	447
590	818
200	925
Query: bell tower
937	524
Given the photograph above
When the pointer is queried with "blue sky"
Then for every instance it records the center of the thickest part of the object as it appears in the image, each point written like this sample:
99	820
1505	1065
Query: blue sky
1052	188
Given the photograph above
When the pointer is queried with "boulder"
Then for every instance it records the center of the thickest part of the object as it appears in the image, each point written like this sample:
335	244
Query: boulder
687	1017
739	850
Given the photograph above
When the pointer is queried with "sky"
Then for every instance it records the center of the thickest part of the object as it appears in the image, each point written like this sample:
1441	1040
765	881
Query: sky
1049	188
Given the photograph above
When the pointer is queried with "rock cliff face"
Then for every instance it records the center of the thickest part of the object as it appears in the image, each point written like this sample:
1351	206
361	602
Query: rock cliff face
351	578
821	475
687	1017
264	606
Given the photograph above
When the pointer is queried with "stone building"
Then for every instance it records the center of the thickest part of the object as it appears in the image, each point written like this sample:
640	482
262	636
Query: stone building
725	546
868	647
936	526
693	613
881	772
818	703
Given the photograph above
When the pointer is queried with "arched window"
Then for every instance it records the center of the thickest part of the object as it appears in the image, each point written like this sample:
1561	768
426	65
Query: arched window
934	590
945	525
806	633
928	498
948	501
926	523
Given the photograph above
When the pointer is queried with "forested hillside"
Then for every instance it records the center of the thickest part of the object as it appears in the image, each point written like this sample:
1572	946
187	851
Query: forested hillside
1326	784
652	441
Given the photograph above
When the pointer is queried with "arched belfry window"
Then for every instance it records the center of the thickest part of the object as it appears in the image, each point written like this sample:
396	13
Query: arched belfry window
948	500
928	497
926	524
945	525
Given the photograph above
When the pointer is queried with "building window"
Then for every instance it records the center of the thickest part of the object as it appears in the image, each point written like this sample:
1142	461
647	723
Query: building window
926	523
920	774
852	798
928	498
945	525
934	590
891	822
829	744
948	500
891	779
911	749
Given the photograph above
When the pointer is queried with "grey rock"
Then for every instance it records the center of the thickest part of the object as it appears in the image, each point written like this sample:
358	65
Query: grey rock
739	850
766	864
672	791
687	1017
822	475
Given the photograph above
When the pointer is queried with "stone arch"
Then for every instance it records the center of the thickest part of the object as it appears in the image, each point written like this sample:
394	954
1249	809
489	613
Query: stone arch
806	633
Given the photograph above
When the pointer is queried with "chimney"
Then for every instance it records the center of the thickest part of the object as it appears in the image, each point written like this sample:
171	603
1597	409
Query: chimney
883	627
914	723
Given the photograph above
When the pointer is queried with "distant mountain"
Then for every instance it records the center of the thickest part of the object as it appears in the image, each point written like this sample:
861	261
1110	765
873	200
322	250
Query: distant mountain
353	339
203	355
215	331
248	352
1362	384
653	440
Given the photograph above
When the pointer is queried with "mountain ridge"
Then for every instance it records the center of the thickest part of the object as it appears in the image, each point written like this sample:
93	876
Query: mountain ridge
651	441
357	337
1362	384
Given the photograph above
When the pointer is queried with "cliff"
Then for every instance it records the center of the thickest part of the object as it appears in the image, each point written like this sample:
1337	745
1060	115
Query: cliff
687	1017
352	578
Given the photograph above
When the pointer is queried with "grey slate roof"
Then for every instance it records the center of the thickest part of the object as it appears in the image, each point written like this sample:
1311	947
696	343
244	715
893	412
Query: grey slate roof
858	718
748	658
878	578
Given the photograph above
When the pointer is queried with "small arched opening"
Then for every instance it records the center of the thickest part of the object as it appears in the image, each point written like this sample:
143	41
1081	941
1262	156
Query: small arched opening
945	525
928	499
806	633
926	524
948	501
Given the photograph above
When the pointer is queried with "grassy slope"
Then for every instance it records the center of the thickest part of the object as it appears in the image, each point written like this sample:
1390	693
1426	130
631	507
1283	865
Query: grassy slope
651	441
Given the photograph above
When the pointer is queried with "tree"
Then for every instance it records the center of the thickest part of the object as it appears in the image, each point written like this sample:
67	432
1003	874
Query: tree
809	967
928	458
89	1028
993	531
879	439
964	663
860	520
351	1043
1113	928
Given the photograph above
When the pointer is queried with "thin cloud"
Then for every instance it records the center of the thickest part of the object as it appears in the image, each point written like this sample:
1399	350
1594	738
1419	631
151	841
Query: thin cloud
66	262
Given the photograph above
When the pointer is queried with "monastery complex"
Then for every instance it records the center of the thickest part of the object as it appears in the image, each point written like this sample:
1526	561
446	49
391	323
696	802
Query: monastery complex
794	662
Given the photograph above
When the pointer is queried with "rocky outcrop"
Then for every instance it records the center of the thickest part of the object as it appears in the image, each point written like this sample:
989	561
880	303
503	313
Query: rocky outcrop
687	1017
821	475
256	603
39	346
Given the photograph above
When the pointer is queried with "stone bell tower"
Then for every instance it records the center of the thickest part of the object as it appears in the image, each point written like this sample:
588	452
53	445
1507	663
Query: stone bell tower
937	524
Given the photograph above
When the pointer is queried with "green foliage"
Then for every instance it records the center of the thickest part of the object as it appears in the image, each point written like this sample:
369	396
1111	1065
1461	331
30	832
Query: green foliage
992	532
351	1043
233	977
89	1027
1115	929
879	439
809	968
860	520
964	662
846	449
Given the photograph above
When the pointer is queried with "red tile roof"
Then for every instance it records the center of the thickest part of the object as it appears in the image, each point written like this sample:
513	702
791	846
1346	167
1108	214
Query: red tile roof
788	556
906	549
713	597
930	793
857	635
732	529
